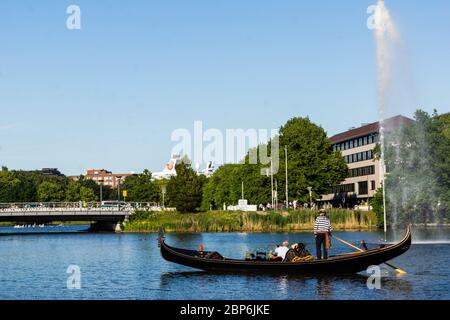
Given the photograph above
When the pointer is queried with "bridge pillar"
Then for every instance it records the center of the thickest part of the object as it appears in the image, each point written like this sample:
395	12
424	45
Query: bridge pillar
109	226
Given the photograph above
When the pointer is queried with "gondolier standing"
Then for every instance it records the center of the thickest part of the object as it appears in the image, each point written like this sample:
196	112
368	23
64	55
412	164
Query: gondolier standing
322	232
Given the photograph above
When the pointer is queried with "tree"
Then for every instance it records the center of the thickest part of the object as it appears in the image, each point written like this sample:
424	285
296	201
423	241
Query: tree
50	192
87	194
377	206
73	192
91	184
141	188
184	191
311	162
417	158
223	187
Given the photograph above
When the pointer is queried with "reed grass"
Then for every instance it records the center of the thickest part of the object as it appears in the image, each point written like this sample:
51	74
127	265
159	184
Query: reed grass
237	221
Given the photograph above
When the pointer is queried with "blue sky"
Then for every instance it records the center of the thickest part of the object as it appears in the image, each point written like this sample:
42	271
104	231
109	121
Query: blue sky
110	95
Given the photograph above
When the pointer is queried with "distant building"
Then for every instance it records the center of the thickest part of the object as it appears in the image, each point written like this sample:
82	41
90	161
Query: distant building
104	177
51	172
364	171
170	168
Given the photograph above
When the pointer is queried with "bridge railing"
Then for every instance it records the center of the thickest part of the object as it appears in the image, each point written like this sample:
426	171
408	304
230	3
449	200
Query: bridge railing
74	206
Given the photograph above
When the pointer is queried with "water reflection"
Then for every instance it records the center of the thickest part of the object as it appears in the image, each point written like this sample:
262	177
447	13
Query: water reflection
141	273
398	287
324	288
185	237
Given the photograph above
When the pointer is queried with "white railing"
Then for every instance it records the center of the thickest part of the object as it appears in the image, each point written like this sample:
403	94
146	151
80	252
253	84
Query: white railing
72	207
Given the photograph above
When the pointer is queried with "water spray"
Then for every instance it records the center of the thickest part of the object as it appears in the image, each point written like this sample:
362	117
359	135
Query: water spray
385	35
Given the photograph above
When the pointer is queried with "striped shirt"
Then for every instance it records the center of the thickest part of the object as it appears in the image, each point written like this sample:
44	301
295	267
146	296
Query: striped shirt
322	224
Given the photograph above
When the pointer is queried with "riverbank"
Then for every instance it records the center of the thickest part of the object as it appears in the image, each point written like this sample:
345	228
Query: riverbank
237	221
53	223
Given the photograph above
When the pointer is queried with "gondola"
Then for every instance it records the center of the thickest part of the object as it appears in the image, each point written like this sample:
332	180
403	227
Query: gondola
338	264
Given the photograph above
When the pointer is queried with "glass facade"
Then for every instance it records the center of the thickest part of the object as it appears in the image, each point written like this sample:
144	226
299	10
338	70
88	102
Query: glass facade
363	171
363	187
356	142
360	156
343	188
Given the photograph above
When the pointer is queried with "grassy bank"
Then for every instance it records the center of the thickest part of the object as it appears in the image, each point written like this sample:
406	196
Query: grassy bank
226	221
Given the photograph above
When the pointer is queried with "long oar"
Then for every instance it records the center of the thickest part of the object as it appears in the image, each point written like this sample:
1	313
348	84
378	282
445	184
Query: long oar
400	271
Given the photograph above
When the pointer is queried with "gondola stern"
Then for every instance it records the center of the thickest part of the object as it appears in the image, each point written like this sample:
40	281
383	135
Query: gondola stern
161	236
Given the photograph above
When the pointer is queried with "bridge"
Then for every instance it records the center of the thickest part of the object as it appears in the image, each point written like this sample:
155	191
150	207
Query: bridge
103	217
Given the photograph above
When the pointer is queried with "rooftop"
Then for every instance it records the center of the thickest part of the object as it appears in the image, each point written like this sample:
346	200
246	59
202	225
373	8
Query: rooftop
389	124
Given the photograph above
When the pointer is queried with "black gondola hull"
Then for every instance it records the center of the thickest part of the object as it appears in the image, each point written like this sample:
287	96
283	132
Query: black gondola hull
349	263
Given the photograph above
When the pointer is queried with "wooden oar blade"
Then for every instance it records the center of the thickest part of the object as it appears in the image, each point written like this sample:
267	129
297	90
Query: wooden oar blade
398	270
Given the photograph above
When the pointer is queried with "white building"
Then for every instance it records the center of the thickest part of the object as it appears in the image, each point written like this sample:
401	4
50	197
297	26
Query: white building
364	171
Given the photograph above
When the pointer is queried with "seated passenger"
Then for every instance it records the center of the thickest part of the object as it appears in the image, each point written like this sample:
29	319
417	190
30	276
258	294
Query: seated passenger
297	252
280	252
301	250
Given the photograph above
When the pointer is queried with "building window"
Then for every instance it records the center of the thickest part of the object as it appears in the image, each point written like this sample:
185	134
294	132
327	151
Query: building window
372	185
351	144
365	140
346	145
343	188
362	187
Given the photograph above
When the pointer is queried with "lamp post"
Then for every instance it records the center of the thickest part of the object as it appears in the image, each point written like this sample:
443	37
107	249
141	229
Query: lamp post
286	163
276	194
163	191
310	197
384	200
271	179
100	181
118	191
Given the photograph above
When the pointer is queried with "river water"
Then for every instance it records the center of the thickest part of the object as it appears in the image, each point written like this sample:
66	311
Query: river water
129	266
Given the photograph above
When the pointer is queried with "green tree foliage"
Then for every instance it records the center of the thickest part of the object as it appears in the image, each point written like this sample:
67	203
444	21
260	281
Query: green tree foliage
223	187
33	186
417	158
377	206
184	191
50	192
87	194
141	188
311	162
16	186
90	184
73	192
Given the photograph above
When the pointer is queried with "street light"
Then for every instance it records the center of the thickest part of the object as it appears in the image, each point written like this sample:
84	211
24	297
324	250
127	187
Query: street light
100	181
310	197
163	191
271	180
118	191
286	164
